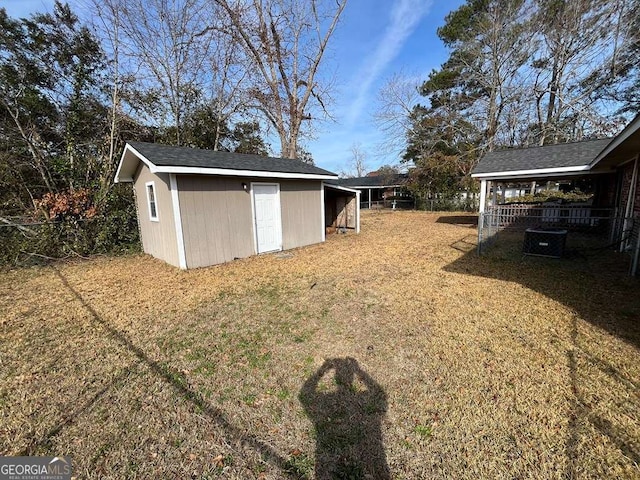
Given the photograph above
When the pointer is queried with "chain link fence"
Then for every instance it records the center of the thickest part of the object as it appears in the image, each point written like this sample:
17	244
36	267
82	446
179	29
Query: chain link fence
558	231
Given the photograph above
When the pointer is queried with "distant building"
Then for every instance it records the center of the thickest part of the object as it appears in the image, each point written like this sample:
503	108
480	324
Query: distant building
381	191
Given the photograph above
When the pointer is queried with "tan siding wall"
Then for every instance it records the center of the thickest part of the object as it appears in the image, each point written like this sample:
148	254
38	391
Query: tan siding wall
301	213
216	218
158	238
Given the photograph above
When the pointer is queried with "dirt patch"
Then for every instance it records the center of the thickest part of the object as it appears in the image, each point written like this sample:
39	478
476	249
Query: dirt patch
482	367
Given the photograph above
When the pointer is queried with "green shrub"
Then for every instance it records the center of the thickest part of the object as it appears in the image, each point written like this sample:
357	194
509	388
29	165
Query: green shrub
111	232
575	196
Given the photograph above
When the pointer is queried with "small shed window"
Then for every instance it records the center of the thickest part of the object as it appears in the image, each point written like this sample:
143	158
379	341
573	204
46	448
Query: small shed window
151	199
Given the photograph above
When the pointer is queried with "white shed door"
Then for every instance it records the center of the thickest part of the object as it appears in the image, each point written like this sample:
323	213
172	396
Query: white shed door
266	202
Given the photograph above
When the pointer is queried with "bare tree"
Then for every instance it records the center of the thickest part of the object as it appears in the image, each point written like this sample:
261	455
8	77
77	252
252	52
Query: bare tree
396	100
506	51
169	46
227	82
580	51
358	160
106	21
285	41
357	165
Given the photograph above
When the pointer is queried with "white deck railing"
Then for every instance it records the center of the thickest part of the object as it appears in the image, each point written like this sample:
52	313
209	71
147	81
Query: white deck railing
505	216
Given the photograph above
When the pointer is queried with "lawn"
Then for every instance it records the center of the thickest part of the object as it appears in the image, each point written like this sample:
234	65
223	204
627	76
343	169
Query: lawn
396	353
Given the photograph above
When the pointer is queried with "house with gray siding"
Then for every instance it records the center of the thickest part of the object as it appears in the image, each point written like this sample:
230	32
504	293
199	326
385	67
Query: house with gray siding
200	207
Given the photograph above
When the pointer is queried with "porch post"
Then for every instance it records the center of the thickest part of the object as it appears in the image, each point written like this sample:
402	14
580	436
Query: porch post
483	195
369	199
628	213
481	209
358	211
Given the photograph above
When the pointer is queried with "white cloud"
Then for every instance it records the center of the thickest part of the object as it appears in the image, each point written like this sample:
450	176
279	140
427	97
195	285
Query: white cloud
405	17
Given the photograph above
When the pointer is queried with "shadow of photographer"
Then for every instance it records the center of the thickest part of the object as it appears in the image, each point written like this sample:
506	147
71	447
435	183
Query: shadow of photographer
347	412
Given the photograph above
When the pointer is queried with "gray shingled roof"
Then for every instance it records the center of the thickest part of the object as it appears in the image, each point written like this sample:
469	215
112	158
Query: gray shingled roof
377	181
535	158
170	156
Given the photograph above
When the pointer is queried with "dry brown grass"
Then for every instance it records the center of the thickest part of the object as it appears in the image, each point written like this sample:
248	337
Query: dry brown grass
489	367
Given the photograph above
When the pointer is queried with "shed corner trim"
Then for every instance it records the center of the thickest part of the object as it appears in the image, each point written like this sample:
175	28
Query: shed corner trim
322	213
177	219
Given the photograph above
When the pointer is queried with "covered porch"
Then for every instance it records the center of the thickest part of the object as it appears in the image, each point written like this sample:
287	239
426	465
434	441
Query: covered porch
605	216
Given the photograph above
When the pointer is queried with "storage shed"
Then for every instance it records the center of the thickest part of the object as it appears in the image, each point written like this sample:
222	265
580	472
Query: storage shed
201	207
341	208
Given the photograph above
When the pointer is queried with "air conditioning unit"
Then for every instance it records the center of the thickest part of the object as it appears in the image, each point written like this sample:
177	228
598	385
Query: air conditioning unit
544	242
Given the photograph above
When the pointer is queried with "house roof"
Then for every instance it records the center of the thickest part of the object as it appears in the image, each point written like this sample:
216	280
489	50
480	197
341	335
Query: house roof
624	146
379	181
564	158
184	160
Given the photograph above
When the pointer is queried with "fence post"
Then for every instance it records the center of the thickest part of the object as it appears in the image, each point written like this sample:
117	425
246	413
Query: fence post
636	254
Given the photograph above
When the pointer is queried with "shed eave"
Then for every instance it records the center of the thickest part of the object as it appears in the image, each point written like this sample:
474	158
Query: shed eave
228	172
128	164
376	186
338	187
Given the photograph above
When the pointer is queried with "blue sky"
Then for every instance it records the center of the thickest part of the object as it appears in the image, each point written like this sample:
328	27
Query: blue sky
375	39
